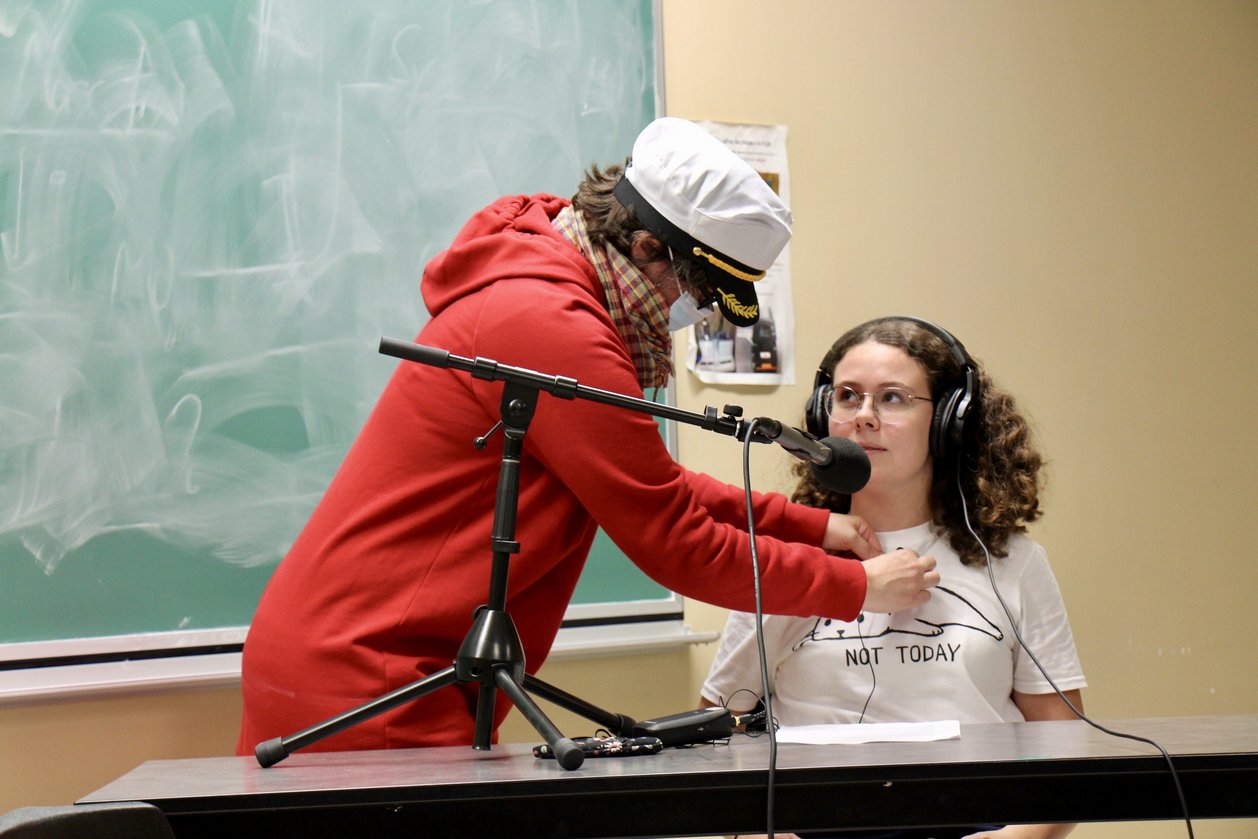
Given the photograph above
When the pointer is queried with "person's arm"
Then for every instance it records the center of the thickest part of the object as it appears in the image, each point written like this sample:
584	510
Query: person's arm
1025	831
852	534
733	680
782	519
1048	706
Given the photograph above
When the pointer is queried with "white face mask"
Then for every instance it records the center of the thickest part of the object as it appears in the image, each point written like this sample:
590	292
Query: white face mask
685	312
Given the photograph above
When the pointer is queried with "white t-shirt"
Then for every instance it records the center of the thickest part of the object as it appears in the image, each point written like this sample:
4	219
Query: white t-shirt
954	658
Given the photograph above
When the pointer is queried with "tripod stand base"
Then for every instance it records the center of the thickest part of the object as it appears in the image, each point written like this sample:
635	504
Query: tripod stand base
567	753
496	675
270	752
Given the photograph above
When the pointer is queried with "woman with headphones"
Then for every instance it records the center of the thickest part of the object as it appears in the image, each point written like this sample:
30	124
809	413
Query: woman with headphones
954	475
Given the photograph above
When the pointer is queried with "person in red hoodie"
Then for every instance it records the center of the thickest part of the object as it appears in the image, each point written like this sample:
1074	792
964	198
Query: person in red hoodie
380	587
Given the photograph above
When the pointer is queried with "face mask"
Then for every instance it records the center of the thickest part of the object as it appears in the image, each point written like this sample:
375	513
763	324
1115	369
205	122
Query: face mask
685	312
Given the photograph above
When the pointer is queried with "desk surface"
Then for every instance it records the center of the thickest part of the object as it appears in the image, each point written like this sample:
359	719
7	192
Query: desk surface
1045	771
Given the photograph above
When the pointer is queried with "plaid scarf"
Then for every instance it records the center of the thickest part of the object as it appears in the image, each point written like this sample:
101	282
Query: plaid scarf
637	309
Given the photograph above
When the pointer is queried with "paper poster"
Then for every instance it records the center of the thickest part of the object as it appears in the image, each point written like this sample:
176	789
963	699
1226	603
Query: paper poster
764	354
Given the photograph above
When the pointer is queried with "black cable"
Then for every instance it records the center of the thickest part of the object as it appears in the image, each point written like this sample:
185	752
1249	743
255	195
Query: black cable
873	673
764	668
752	717
991	576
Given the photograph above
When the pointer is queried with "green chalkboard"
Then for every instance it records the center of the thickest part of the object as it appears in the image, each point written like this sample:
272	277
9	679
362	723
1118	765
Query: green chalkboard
210	212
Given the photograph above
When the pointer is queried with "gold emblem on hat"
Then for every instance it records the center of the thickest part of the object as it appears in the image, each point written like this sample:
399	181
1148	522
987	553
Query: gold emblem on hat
736	308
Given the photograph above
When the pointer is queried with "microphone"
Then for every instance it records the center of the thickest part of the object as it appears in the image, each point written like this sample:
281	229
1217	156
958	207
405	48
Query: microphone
838	464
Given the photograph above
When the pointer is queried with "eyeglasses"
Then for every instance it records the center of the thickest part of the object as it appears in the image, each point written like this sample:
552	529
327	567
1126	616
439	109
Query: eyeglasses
845	402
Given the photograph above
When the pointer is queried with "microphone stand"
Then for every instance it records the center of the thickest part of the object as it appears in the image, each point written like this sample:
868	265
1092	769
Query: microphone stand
492	654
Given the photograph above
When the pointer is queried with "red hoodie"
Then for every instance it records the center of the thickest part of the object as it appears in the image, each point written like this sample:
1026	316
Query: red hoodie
380	587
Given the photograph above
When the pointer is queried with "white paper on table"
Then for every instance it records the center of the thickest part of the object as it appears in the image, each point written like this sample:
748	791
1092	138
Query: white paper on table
882	732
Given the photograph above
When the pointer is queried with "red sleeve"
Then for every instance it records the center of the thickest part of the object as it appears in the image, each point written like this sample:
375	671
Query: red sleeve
774	514
682	530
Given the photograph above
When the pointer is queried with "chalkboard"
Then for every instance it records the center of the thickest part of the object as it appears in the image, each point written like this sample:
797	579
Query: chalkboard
210	212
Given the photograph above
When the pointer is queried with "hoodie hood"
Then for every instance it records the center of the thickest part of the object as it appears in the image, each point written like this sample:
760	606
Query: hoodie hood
510	238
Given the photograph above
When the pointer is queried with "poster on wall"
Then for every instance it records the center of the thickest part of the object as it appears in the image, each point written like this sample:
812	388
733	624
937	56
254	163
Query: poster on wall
718	352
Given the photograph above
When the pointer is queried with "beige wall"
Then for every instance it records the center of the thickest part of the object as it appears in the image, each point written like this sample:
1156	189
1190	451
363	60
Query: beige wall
1070	187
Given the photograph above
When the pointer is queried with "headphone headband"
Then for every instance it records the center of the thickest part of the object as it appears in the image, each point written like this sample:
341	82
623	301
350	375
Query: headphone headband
952	408
954	346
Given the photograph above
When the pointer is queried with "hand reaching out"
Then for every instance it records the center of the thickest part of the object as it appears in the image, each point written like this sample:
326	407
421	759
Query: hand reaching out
899	580
851	534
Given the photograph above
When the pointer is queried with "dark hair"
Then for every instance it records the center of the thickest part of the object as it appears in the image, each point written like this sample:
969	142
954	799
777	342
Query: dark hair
998	462
607	221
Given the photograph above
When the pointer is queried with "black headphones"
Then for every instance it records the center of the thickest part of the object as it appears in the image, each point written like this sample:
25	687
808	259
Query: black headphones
952	408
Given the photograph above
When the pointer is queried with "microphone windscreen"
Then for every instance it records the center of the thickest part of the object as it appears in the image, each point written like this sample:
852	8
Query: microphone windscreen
848	472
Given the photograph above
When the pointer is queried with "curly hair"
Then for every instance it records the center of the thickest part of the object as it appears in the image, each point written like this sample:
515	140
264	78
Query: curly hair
998	463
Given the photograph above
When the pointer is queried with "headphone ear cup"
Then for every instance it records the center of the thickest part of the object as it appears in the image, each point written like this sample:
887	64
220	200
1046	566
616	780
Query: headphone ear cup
945	429
815	409
815	412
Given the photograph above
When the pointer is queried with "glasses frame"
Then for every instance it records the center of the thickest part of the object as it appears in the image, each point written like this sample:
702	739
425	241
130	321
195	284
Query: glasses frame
831	390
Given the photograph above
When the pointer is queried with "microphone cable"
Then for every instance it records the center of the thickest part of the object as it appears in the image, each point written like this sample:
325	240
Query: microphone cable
770	726
991	576
873	673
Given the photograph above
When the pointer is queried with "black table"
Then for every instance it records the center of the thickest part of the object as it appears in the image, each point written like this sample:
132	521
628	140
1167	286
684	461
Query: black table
1019	772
